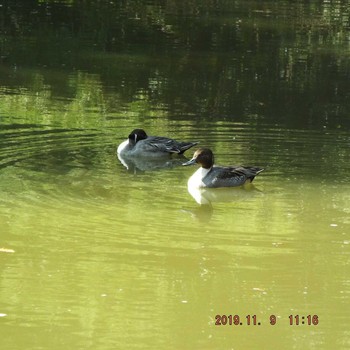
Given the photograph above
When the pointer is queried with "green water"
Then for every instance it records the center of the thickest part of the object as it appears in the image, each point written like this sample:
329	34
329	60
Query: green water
95	255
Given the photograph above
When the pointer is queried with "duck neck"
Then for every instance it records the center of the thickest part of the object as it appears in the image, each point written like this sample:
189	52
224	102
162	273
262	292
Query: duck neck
204	171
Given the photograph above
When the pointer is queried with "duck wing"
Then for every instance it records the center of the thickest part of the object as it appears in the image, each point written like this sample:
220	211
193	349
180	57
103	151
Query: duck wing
230	176
166	145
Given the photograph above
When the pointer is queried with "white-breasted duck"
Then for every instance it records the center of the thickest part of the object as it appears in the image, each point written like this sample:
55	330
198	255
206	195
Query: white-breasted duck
210	175
139	144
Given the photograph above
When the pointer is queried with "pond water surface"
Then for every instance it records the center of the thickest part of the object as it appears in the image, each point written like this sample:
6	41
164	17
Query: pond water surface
95	254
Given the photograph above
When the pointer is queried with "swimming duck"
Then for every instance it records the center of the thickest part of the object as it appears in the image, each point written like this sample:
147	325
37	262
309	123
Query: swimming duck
139	144
209	175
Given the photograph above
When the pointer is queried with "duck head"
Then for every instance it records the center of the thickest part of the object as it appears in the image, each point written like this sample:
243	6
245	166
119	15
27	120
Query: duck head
137	135
204	157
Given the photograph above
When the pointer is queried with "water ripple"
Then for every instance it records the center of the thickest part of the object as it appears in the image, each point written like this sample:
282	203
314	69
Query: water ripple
23	143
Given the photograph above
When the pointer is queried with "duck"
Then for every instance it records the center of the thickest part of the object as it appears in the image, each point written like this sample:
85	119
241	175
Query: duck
212	176
139	144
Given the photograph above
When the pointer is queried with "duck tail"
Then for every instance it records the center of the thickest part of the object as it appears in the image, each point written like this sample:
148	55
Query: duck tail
255	171
184	146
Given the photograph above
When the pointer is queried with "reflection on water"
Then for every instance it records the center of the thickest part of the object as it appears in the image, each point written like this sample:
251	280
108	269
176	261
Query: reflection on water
99	252
207	196
137	164
202	214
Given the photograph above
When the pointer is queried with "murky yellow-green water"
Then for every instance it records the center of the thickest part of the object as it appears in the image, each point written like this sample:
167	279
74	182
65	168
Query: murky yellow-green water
97	255
108	258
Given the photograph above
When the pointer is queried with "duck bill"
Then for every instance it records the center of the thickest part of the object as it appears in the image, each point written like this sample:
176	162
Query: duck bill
190	162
